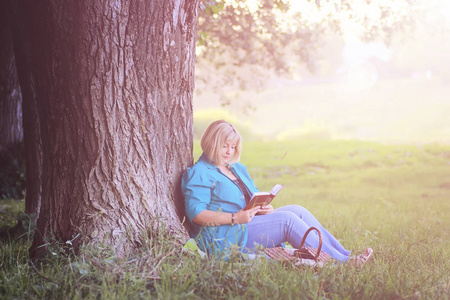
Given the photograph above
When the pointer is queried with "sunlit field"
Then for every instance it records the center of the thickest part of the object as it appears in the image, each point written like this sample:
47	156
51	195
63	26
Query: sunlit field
401	110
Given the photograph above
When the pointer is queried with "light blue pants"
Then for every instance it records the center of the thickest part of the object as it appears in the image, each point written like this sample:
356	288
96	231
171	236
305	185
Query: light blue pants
289	224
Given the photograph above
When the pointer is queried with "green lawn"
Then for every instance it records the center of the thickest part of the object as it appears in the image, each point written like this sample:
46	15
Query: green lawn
393	198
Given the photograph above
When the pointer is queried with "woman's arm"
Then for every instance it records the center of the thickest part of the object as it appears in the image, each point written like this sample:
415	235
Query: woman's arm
215	218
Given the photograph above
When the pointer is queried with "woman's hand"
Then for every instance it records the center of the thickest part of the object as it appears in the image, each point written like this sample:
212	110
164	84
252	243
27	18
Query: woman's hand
245	216
265	210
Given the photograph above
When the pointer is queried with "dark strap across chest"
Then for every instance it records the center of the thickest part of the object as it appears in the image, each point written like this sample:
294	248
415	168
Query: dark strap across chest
243	188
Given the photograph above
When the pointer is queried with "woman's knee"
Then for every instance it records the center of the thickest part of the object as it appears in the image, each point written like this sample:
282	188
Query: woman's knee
298	210
284	215
291	221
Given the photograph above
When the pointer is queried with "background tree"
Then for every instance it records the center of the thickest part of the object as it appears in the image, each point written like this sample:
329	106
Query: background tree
11	133
10	94
243	44
15	15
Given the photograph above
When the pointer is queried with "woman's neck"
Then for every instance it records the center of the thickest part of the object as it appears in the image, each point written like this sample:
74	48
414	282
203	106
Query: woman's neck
225	170
222	167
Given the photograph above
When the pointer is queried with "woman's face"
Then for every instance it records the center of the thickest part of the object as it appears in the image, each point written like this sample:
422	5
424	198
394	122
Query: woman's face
227	151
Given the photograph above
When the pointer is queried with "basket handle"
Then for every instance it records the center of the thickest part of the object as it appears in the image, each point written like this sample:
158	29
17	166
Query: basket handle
320	240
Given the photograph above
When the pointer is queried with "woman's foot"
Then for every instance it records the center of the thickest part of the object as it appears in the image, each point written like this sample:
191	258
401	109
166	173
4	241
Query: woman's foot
362	259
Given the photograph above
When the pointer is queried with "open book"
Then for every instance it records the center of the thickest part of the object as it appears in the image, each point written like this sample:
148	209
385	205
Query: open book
263	198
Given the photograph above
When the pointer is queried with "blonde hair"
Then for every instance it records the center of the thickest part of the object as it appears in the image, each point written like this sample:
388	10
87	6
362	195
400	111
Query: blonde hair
215	136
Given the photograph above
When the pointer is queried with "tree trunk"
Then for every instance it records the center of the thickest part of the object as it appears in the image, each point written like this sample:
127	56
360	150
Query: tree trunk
114	85
10	96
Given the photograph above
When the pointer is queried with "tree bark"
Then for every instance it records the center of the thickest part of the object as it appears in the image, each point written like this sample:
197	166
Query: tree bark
114	82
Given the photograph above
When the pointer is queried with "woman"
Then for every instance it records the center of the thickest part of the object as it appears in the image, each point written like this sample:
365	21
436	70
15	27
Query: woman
217	188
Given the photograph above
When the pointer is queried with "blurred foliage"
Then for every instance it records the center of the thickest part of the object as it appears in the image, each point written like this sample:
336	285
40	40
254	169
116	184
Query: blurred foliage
242	47
12	172
238	46
261	37
11	212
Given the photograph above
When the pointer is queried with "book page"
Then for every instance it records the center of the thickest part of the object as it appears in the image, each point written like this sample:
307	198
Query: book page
276	189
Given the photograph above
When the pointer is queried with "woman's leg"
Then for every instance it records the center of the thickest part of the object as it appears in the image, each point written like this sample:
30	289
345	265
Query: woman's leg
285	226
311	221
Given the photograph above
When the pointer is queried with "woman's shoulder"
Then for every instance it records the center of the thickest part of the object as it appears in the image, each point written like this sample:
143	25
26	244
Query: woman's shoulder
200	165
199	170
239	166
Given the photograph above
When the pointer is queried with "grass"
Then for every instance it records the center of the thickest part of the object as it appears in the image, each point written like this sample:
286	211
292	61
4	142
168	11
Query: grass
393	198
